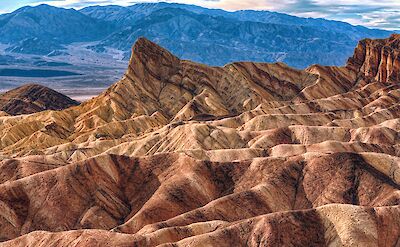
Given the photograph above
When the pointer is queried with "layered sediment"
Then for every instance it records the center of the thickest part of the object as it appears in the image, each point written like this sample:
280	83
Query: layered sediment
181	154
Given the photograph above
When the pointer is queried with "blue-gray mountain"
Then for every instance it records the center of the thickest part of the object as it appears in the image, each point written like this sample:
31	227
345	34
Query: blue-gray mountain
210	36
42	29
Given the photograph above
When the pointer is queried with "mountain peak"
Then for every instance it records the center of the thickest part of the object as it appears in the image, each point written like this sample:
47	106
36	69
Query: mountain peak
145	47
43	5
149	55
40	7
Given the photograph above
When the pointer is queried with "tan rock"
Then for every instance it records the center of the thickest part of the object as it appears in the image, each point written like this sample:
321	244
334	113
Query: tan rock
181	154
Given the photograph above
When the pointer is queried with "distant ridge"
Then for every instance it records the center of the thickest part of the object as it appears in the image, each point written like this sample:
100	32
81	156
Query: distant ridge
209	36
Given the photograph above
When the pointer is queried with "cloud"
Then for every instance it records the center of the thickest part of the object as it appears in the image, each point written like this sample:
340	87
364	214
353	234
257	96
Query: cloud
372	13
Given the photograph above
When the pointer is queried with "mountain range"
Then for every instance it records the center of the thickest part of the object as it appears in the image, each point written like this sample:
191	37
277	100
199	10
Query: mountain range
178	153
210	36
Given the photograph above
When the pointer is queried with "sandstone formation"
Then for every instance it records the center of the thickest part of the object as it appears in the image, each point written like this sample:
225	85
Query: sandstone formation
180	154
33	98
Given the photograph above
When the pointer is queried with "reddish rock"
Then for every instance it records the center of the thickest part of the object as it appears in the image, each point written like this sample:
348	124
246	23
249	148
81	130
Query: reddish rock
182	154
32	98
378	59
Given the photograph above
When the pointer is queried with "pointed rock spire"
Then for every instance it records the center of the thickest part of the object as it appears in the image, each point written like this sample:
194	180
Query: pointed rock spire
150	59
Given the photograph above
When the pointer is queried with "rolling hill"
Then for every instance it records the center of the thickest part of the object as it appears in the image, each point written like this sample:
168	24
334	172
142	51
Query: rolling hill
32	98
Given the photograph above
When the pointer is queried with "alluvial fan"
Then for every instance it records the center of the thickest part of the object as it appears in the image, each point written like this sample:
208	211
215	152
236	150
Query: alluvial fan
180	154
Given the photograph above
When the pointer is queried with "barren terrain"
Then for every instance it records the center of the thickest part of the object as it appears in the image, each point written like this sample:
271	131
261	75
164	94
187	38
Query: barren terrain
181	154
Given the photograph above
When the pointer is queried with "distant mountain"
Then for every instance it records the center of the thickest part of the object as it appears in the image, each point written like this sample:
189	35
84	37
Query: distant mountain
210	36
145	9
35	46
33	98
123	16
218	40
135	12
354	32
217	37
43	28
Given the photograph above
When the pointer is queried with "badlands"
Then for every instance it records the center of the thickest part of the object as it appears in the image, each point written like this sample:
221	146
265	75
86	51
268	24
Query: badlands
181	154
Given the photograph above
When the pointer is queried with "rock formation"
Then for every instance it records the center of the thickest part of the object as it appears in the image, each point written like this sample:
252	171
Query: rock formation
32	98
378	59
180	154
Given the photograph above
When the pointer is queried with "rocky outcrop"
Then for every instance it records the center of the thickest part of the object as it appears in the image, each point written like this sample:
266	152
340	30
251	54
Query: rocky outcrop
33	98
180	154
378	59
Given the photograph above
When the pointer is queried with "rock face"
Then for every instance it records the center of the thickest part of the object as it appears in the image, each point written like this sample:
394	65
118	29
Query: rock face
180	154
378	59
33	98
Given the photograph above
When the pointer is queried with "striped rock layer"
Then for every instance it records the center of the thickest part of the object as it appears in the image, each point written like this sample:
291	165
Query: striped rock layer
181	154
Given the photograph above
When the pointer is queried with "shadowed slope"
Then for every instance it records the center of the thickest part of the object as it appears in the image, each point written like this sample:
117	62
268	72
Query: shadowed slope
180	154
33	98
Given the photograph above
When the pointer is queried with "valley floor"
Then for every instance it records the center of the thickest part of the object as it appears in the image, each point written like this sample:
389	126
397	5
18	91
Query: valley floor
88	72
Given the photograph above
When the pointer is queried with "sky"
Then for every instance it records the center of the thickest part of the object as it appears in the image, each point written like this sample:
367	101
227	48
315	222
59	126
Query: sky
384	14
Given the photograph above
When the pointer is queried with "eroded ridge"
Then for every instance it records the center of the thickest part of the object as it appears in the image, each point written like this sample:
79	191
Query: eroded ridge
180	154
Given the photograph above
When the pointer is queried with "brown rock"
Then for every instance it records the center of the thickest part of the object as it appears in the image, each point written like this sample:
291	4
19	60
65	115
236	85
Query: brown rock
378	59
32	98
182	154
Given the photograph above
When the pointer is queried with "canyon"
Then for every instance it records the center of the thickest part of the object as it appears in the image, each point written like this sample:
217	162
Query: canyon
178	153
